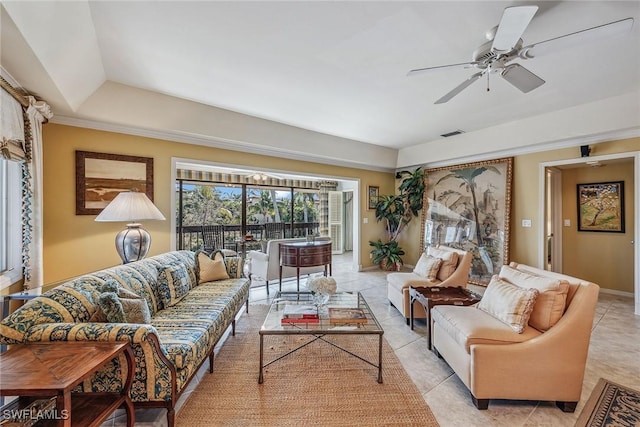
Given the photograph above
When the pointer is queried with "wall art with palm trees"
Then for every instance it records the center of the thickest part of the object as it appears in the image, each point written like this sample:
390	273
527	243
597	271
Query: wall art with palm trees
468	207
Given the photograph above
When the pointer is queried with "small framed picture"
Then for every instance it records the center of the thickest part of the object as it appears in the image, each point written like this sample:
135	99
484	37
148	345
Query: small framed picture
601	207
373	194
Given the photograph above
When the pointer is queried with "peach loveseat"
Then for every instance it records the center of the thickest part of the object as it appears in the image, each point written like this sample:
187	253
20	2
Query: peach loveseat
545	361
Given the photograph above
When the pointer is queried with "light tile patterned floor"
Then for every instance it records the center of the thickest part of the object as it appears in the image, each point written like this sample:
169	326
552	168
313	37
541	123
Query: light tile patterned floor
613	354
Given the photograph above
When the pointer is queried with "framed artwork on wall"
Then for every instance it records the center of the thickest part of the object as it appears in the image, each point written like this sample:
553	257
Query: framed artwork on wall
468	207
601	206
373	196
101	176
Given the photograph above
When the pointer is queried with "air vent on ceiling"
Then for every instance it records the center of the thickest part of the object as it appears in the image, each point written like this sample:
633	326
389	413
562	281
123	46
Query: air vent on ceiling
455	132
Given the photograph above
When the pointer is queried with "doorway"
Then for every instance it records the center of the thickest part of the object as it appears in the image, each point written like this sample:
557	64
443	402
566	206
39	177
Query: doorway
583	254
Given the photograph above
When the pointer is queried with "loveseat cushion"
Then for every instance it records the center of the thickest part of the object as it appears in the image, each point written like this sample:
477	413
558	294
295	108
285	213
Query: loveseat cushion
551	301
428	266
449	261
469	326
508	303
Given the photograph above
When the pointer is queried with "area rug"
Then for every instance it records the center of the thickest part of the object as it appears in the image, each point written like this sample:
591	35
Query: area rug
315	386
611	404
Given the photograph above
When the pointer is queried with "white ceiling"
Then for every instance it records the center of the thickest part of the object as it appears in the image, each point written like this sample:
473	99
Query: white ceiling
337	68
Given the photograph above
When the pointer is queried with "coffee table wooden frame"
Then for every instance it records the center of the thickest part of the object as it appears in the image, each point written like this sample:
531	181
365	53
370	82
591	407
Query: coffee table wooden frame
272	325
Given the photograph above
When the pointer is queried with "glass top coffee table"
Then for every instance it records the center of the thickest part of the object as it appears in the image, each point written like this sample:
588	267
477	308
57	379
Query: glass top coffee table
362	324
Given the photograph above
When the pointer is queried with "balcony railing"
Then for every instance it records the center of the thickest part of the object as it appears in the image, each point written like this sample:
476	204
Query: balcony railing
191	236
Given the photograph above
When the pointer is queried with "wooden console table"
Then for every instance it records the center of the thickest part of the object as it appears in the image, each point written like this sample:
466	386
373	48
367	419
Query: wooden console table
41	370
305	254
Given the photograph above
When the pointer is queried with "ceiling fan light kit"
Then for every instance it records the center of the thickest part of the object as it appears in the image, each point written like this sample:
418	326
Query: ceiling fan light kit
505	45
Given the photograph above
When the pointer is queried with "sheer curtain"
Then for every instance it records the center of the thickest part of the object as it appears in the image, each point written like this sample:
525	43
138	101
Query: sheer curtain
38	112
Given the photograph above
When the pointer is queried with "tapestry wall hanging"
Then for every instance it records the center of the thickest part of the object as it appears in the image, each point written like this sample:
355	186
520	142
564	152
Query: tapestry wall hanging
468	207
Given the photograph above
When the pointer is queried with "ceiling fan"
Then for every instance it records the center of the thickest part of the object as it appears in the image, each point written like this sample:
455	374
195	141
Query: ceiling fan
505	45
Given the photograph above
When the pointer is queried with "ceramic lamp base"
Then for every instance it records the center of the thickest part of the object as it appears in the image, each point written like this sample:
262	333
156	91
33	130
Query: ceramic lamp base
132	243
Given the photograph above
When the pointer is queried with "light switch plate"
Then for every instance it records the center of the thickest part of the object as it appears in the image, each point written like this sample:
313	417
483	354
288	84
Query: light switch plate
567	223
526	223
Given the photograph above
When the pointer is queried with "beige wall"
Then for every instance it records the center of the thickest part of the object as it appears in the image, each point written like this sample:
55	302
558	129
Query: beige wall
76	244
604	258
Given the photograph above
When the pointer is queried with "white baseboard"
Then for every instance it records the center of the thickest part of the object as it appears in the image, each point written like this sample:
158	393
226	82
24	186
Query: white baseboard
615	292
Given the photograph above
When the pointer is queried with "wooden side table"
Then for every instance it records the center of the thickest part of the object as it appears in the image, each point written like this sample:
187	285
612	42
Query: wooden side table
305	254
55	368
429	297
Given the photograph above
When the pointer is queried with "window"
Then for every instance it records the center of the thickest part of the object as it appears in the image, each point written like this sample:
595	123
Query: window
10	223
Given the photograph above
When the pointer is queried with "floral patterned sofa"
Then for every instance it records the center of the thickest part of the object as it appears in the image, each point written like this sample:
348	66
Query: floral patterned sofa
186	321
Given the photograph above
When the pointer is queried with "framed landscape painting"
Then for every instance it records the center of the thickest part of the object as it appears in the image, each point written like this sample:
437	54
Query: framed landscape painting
100	177
468	207
601	207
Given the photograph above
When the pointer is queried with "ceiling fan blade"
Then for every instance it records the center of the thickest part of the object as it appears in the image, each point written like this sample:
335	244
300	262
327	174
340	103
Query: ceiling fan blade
579	37
462	86
441	68
512	25
521	78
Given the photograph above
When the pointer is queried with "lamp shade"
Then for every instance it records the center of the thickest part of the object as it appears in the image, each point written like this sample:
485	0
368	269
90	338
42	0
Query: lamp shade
130	206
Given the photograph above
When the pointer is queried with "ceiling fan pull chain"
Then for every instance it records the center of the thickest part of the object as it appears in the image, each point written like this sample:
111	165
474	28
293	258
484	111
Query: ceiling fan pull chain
488	81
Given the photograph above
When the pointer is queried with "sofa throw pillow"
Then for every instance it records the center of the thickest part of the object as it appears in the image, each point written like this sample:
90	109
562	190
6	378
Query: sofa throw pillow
211	267
551	301
173	283
508	303
235	265
121	306
449	262
427	266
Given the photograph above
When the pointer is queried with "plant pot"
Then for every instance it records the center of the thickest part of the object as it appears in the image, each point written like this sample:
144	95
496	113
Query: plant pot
390	267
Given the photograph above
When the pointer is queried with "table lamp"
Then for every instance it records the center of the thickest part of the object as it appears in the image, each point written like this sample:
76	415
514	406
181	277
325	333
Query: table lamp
132	243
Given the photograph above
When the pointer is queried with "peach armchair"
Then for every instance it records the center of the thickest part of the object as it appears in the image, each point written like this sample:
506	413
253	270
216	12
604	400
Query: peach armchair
398	283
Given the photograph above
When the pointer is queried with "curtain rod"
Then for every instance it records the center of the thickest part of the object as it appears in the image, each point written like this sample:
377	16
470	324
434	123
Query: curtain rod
14	92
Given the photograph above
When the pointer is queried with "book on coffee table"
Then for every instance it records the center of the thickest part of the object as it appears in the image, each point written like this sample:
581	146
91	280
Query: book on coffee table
300	311
341	315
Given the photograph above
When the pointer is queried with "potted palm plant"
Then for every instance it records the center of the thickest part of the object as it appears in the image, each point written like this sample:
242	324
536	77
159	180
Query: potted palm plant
397	211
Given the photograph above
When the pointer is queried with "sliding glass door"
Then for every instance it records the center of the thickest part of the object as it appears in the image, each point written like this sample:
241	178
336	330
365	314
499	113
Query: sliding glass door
242	211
